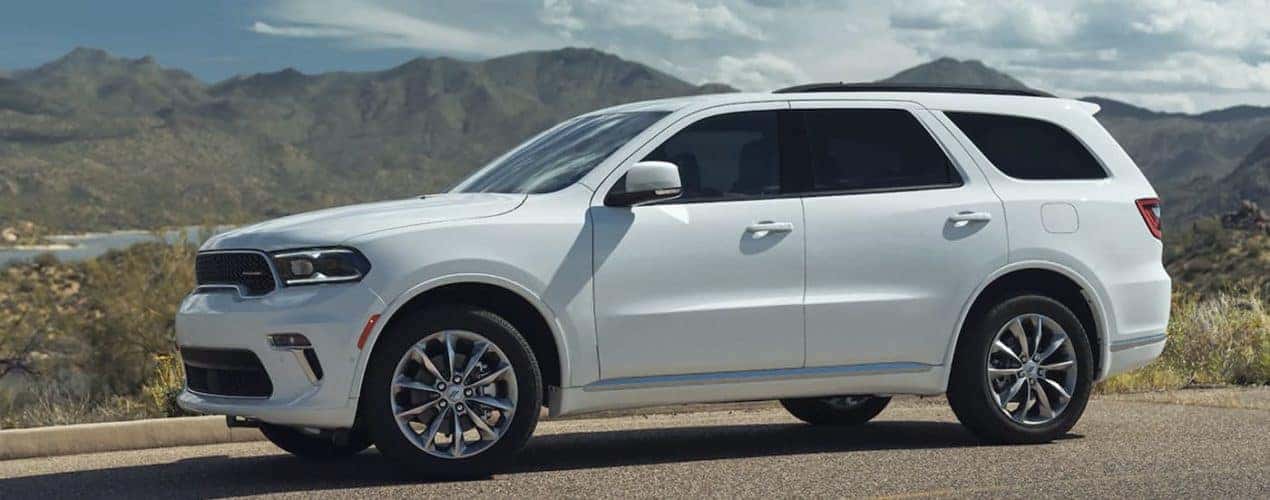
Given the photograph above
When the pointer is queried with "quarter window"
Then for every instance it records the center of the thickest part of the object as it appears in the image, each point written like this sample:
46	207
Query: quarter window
735	155
873	149
1025	148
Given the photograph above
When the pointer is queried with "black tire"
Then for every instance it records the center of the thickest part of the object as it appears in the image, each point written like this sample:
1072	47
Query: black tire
314	446
833	411
402	335
970	394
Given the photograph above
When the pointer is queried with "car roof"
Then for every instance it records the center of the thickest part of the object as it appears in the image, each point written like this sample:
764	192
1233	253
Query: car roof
930	97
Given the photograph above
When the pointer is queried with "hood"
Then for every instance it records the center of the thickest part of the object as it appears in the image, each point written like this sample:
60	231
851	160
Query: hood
334	225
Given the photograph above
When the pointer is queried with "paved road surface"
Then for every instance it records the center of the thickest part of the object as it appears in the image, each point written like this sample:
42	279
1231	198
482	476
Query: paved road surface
1122	448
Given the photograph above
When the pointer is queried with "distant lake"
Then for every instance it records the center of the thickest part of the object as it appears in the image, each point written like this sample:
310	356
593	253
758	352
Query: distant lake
78	247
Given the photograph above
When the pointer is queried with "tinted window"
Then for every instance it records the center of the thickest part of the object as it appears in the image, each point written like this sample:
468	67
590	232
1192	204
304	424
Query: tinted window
1028	149
727	156
864	149
561	156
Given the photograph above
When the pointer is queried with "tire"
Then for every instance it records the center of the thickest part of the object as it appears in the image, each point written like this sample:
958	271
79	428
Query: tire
469	326
837	410
313	446
974	397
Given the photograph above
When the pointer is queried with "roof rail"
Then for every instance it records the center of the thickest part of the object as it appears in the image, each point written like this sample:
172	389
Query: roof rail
890	87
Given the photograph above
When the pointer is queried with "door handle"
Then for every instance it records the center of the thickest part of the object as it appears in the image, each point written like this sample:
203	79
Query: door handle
761	229
971	217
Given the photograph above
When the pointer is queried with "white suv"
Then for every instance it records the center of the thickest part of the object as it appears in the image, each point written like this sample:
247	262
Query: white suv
827	245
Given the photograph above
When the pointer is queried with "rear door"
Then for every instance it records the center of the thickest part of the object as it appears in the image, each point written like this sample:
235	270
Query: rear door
901	229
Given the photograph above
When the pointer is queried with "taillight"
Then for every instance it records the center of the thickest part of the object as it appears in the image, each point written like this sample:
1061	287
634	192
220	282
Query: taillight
1150	210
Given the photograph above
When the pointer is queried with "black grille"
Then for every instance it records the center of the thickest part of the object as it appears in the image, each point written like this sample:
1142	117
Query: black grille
246	269
225	372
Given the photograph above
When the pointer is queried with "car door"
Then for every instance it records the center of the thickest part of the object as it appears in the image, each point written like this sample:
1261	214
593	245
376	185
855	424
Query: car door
712	281
901	229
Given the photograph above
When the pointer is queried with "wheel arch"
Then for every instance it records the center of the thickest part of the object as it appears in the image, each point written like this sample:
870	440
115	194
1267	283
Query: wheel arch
515	302
1059	282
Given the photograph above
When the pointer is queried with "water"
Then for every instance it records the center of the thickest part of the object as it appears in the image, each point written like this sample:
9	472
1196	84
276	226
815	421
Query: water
78	247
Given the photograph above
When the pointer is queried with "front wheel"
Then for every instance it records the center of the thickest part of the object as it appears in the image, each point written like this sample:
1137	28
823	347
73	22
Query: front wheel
836	410
1022	372
452	392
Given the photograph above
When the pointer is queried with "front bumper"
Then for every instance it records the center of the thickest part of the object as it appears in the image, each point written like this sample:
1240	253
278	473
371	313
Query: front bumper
330	316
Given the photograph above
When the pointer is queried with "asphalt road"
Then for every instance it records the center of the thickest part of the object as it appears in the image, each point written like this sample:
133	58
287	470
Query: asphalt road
1122	448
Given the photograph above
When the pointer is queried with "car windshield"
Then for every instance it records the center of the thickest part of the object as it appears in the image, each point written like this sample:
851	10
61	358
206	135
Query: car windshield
561	156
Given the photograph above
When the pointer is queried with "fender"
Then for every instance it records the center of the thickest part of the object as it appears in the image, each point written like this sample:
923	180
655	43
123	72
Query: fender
363	358
1093	294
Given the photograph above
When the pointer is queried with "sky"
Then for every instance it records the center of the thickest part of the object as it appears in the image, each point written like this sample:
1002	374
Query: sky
1170	55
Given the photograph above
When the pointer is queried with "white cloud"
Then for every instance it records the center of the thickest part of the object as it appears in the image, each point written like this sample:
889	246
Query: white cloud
367	24
1177	54
676	19
759	72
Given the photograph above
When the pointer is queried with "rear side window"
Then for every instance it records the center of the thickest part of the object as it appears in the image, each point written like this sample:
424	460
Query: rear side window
873	149
1025	148
727	156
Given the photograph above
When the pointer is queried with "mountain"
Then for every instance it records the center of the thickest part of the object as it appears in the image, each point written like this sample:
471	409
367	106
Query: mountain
92	141
949	71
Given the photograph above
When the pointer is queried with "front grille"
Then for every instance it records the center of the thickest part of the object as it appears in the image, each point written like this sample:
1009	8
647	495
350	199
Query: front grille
225	372
249	270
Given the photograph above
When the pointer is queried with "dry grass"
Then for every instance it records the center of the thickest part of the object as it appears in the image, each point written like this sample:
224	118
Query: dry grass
1215	340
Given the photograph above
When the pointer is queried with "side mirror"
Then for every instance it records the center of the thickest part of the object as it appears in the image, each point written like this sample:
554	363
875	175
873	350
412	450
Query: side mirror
646	182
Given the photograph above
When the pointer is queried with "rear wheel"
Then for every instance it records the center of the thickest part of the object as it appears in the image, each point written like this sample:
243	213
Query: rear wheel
836	410
1022	372
314	446
452	392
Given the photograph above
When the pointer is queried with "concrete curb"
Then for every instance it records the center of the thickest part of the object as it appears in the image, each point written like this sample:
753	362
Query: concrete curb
117	436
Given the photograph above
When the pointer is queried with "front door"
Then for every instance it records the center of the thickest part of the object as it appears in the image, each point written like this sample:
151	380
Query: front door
711	282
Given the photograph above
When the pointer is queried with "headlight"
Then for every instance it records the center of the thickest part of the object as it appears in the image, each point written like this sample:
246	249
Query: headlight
320	265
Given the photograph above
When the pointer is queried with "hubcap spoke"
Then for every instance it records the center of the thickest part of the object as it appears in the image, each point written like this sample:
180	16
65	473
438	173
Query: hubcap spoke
414	412
1014	391
1061	365
422	357
489	379
1000	347
1040	331
481	426
475	358
1002	372
449	352
1043	400
430	435
1016	327
491	402
1062	393
404	383
456	440
1059	341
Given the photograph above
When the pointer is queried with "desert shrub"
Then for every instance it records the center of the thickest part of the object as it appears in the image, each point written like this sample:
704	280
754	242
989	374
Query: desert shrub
165	384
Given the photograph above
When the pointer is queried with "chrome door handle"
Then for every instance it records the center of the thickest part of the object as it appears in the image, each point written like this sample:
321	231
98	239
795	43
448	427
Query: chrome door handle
760	229
971	217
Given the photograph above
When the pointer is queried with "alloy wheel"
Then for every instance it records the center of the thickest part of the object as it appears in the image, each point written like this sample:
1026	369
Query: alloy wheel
1032	369
454	394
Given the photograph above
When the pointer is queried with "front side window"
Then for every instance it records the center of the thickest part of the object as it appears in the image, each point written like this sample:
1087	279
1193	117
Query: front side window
730	156
1025	148
560	157
873	149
